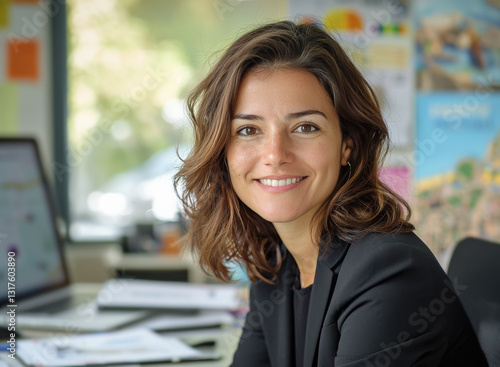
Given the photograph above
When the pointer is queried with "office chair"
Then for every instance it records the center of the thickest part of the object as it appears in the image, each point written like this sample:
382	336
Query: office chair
475	263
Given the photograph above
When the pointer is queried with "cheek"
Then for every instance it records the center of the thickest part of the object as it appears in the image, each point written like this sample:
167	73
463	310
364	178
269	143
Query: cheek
327	165
238	170
239	161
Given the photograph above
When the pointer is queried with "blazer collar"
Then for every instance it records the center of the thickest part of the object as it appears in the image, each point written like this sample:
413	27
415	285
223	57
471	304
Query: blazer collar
333	252
324	285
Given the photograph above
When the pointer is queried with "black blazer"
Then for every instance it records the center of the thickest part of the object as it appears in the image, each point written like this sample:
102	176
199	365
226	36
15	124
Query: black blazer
383	300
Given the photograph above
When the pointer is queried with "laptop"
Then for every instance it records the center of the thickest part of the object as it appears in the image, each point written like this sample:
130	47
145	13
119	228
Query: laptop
33	270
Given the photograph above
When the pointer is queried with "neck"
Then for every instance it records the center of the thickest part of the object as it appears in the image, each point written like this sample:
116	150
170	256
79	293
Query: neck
299	243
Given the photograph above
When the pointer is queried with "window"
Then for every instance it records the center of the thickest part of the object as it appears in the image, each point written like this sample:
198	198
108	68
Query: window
131	63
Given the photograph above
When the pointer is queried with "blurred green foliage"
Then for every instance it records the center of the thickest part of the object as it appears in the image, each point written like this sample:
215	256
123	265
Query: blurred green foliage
127	59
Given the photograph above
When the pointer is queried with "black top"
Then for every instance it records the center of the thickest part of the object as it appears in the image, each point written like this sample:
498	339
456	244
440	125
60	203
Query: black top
301	299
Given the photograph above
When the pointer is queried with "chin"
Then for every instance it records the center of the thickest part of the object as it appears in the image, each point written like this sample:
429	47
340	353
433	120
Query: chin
279	217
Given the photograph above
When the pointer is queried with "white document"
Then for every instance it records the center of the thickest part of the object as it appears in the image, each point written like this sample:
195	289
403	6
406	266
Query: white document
130	346
150	294
206	318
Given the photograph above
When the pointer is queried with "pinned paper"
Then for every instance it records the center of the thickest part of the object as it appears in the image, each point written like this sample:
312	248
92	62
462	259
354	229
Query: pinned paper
23	59
9	105
398	179
4	13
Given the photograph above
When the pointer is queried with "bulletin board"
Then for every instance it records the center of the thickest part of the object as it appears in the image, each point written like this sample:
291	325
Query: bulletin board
436	71
25	71
457	148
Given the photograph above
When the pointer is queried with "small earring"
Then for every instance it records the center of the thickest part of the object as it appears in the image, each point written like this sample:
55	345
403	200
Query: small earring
349	164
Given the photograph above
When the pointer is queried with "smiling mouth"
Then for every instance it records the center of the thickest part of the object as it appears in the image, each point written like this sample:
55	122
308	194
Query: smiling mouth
278	183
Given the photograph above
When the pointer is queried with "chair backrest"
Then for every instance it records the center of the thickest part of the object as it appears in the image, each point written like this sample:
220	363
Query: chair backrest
475	264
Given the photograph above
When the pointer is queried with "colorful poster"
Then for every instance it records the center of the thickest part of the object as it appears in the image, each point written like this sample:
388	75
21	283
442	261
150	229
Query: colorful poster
457	44
457	167
386	64
376	35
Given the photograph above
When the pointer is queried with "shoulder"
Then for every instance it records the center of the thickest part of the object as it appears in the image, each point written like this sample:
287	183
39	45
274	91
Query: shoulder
393	259
390	287
390	240
390	247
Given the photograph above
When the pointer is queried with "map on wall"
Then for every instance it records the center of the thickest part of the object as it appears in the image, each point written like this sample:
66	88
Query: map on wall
457	159
456	156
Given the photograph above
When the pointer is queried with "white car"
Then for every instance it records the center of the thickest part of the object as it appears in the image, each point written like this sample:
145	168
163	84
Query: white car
143	194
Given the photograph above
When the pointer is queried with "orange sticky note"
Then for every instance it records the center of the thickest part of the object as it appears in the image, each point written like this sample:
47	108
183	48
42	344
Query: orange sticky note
23	59
4	13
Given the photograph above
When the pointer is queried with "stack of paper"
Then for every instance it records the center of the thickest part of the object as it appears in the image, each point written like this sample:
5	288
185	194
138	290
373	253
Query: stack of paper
174	322
131	346
161	295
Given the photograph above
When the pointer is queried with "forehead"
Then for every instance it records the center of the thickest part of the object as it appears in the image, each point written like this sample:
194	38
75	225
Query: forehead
263	87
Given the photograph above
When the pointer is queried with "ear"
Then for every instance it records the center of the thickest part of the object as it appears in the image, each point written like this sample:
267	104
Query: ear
346	150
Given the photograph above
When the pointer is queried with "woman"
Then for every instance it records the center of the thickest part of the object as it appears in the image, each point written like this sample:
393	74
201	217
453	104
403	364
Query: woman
283	177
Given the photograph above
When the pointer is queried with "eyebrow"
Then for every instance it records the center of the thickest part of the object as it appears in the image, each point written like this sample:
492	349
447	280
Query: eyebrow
290	116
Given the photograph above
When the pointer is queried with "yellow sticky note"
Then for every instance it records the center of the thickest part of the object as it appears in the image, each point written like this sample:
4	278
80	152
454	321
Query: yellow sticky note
4	13
9	105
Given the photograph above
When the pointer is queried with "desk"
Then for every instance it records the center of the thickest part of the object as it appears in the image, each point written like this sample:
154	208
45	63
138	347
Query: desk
134	264
226	341
98	262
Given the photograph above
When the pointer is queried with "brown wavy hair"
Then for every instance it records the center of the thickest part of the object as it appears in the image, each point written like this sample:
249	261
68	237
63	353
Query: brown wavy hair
222	228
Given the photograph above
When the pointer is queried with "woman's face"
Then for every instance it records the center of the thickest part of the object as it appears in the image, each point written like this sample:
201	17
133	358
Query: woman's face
286	149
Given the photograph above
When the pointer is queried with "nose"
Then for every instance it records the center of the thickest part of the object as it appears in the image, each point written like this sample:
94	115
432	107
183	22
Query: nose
277	149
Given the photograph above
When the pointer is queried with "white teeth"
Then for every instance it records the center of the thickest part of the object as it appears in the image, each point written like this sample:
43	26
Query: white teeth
277	183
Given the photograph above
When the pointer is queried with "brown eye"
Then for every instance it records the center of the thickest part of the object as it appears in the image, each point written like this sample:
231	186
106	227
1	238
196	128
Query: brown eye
306	128
247	131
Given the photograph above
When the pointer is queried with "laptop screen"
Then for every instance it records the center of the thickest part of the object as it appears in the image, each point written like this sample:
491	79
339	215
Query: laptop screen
27	228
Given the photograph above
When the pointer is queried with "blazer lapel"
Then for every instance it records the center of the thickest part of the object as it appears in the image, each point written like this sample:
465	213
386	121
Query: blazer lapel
317	307
322	291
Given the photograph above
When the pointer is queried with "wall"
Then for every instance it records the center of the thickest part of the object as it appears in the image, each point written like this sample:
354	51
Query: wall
25	72
435	67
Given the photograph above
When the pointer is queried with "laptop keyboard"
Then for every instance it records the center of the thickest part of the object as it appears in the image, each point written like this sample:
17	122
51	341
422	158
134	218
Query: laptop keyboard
60	305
